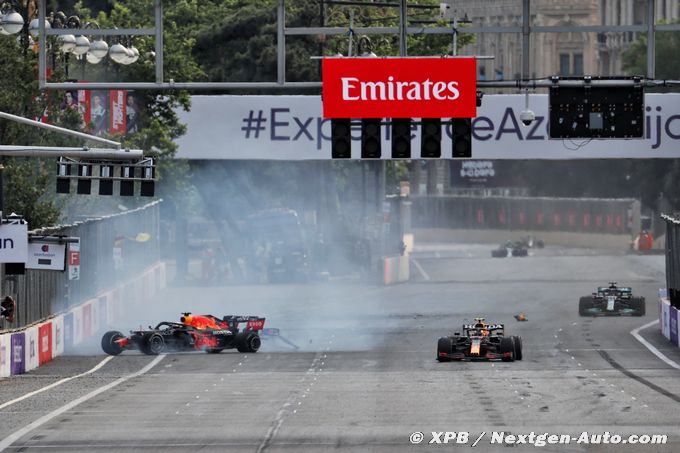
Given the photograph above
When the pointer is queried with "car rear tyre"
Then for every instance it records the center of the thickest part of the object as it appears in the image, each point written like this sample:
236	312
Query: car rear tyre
153	344
249	342
585	304
109	344
499	253
638	304
444	345
507	345
518	347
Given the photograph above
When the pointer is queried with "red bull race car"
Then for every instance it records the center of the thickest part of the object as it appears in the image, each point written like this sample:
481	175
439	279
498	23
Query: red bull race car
480	341
193	332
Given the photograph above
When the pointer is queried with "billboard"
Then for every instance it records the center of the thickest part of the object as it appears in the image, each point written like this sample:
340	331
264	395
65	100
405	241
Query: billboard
13	243
48	256
293	128
399	87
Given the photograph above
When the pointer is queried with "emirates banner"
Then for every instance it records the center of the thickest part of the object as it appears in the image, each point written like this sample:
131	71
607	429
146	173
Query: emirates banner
399	88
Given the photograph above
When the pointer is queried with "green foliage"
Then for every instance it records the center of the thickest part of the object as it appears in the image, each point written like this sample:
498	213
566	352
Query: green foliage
26	182
666	47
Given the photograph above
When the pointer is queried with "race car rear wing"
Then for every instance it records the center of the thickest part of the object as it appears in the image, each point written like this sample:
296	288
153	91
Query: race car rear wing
486	327
253	322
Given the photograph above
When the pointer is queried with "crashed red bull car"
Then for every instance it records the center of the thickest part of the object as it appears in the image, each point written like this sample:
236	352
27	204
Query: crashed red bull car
193	332
480	341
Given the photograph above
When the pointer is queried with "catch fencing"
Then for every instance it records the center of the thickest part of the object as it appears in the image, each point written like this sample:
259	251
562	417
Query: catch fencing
673	258
581	215
113	249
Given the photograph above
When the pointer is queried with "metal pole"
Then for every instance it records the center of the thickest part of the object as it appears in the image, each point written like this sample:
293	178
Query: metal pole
351	32
526	30
42	43
455	36
403	18
650	38
81	153
281	43
159	41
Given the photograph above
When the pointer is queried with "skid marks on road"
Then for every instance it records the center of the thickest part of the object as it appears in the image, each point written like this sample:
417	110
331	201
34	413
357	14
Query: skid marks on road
601	385
298	394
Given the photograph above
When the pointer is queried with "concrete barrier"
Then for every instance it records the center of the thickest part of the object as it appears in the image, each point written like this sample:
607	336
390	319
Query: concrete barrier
561	238
395	269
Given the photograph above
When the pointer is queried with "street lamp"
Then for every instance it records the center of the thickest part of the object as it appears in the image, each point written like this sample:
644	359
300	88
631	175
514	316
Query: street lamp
34	27
78	43
118	53
11	22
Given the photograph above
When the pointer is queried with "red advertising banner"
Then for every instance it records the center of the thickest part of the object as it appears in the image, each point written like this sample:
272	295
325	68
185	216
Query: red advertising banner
45	343
399	88
117	112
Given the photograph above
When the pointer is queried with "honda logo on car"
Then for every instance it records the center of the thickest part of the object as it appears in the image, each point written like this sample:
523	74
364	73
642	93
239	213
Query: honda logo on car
399	88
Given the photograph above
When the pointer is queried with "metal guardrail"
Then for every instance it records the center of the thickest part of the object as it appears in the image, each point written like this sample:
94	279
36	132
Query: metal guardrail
41	293
673	258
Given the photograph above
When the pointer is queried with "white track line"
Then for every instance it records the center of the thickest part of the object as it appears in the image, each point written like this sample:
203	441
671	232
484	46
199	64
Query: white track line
648	345
420	269
54	384
9	440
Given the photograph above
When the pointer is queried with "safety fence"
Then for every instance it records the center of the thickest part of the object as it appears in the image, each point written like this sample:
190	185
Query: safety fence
25	349
113	249
673	258
582	215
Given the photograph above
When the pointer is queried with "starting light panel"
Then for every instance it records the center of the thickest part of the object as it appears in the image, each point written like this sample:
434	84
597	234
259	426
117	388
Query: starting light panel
596	112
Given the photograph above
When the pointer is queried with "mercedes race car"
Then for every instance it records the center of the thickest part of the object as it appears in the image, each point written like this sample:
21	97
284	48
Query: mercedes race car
611	300
510	248
480	341
202	332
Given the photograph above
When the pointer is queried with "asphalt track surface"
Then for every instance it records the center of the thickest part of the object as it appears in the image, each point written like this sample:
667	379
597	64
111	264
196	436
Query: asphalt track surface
364	376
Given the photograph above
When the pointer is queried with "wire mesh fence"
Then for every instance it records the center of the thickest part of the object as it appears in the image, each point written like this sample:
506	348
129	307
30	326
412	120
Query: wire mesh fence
113	248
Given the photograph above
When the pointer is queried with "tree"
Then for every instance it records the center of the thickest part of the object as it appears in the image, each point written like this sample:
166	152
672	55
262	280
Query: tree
666	47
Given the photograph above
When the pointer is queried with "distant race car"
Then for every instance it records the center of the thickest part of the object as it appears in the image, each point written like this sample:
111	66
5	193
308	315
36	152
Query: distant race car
510	248
480	341
202	332
611	300
531	242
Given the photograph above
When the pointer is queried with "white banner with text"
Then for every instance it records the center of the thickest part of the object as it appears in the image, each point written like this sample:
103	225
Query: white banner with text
293	128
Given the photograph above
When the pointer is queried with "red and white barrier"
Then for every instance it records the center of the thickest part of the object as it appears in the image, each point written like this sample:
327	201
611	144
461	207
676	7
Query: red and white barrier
57	335
36	345
395	269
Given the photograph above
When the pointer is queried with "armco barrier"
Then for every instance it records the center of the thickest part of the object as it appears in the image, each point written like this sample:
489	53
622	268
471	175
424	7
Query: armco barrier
35	345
